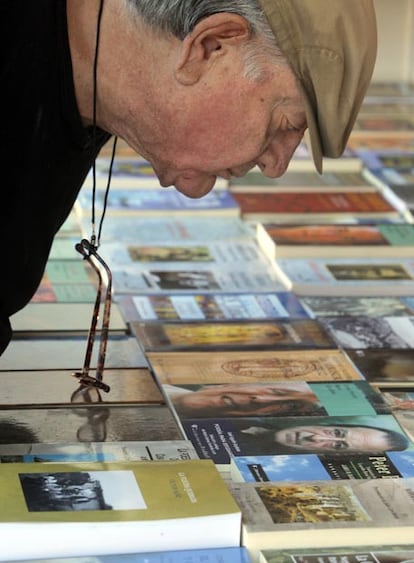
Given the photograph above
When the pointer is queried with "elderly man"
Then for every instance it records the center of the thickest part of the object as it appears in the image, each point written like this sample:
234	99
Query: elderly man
201	89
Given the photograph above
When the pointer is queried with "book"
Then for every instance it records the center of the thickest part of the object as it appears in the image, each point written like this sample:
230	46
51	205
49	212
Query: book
357	306
243	366
385	367
370	332
129	172
186	255
158	201
218	335
93	422
368	553
321	467
304	180
68	353
325	514
400	182
137	506
313	205
52	319
207	555
211	306
132	279
176	230
302	161
394	125
387	158
274	399
347	276
220	439
55	387
159	450
334	240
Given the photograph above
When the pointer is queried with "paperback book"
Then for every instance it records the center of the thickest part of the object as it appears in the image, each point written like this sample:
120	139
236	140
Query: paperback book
211	306
358	306
243	366
325	514
321	467
347	276
219	335
385	367
137	507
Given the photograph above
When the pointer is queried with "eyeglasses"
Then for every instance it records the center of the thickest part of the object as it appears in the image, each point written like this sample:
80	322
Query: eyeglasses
90	387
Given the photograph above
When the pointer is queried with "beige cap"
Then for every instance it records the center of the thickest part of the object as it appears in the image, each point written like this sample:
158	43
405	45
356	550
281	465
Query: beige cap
331	46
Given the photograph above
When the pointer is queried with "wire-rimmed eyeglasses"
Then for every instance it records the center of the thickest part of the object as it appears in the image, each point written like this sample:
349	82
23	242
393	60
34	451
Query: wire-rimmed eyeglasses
90	387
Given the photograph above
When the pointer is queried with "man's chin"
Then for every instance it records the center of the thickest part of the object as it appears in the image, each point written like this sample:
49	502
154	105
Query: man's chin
193	189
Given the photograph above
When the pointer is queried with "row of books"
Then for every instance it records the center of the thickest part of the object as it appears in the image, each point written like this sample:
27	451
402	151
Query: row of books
270	409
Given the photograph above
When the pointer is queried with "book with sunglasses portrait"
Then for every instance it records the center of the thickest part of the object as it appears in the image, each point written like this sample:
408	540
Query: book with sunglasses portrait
321	467
102	508
158	201
370	552
175	306
207	555
325	514
159	450
370	332
357	306
66	319
335	240
87	422
69	353
129	172
228	335
244	366
55	387
221	438
347	276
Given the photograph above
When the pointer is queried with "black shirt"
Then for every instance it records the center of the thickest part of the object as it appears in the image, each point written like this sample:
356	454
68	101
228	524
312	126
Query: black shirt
45	151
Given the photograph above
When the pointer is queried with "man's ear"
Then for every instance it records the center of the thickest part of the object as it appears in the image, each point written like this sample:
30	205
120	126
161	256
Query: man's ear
211	39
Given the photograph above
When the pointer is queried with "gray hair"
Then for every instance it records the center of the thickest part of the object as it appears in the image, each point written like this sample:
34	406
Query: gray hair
179	17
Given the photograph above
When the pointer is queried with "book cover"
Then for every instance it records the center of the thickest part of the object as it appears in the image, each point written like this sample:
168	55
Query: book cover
137	506
87	423
321	514
132	279
175	230
243	366
333	240
211	307
158	201
398	125
282	333
358	306
294	205
321	467
385	367
368	553
274	399
307	180
347	276
68	353
55	387
159	450
387	158
370	332
207	555
221	438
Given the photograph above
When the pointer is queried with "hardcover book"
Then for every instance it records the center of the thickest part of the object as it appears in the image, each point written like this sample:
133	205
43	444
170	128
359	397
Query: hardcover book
243	366
136	506
281	333
325	514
